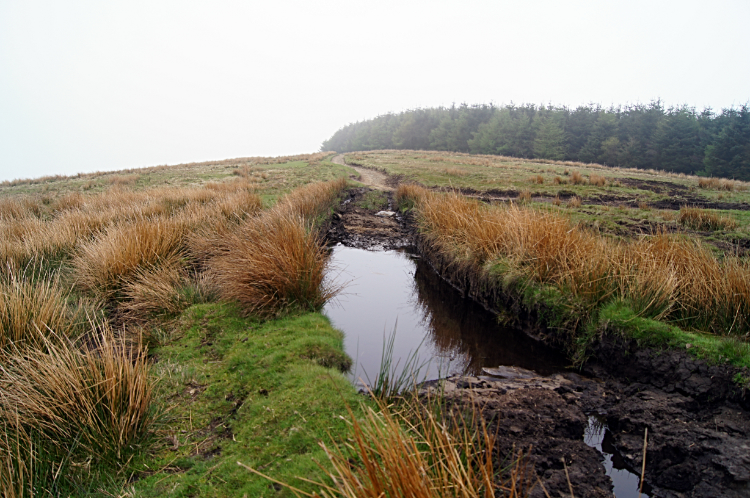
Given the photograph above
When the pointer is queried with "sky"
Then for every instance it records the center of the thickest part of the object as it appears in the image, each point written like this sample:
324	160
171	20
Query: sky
94	86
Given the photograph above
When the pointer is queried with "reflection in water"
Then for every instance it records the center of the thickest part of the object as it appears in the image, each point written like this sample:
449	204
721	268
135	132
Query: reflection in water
392	289
464	329
625	481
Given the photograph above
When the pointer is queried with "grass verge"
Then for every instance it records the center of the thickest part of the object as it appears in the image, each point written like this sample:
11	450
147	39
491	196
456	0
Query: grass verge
575	274
263	393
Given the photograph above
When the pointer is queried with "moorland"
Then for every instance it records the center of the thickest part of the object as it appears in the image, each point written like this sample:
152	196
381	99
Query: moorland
161	334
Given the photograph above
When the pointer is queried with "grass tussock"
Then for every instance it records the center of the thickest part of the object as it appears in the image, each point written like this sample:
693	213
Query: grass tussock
66	411
662	276
576	178
104	264
718	184
456	172
270	264
31	307
597	180
314	200
704	219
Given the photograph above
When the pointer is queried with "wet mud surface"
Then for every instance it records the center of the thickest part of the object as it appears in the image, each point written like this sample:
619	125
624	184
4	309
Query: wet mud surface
697	419
355	226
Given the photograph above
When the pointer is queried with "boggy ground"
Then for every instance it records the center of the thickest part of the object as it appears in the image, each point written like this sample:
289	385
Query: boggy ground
698	420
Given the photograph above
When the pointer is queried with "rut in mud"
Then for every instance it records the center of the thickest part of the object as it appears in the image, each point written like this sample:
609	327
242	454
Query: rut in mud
697	421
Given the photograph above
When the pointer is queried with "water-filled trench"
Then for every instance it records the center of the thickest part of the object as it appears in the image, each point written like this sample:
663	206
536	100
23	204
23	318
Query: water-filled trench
395	290
387	290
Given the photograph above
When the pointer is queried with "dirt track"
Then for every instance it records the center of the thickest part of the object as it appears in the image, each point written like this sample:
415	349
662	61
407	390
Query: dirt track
370	177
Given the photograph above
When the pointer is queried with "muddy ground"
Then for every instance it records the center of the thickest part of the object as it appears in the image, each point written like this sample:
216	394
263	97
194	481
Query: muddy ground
698	421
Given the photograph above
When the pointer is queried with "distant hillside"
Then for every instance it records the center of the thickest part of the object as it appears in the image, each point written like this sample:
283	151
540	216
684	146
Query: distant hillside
678	139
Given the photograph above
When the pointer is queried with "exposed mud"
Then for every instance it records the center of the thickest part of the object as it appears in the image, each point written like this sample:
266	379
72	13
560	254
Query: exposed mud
698	420
355	226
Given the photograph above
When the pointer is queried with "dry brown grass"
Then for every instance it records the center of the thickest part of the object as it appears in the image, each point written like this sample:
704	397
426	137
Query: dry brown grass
155	291
270	264
576	178
538	179
419	451
597	180
64	408
103	265
721	184
524	196
313	200
574	202
32	307
662	276
456	172
558	181
704	219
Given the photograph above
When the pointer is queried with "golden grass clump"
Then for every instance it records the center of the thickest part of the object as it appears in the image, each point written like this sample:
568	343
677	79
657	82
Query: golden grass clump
102	265
558	181
576	178
271	263
313	200
574	202
524	196
32	307
538	179
65	408
718	184
155	291
456	172
704	219
597	180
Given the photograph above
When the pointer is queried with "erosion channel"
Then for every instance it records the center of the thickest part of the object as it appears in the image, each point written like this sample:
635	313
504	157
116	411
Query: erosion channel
592	418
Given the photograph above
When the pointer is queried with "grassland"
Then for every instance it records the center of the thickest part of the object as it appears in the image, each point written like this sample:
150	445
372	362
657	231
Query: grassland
693	232
615	201
158	325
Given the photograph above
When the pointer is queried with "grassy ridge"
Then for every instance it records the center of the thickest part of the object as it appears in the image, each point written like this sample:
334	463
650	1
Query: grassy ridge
263	393
542	256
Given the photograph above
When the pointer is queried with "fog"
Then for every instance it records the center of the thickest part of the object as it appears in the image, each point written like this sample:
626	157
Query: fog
88	86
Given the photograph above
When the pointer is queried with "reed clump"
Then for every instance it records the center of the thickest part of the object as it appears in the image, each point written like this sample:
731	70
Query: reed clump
576	178
102	265
314	200
662	276
31	306
704	219
67	409
271	263
597	180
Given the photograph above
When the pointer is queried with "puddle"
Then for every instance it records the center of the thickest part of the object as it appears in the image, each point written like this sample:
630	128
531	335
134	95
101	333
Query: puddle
388	289
626	482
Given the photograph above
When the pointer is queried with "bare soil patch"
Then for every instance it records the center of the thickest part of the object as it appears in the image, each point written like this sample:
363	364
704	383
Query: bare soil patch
355	226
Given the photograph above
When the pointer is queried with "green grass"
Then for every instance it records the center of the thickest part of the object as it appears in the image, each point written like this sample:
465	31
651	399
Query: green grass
262	393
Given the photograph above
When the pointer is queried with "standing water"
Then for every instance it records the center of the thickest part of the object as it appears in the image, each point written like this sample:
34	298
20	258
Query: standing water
390	290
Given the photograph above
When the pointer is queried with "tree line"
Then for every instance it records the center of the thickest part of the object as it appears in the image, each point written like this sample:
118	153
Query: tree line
677	139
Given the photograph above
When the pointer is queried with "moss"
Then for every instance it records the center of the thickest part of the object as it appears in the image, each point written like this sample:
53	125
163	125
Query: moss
262	393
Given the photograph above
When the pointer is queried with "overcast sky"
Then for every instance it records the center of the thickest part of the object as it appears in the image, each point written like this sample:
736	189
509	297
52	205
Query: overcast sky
95	85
